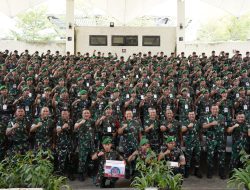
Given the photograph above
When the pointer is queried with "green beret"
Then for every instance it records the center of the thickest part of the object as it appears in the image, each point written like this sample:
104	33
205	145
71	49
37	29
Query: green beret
204	91
29	78
61	79
97	79
30	68
63	90
107	140
184	89
107	107
223	90
44	70
243	71
166	88
99	89
217	78
116	90
241	89
79	78
47	89
171	80
185	80
25	88
144	141
83	92
202	79
170	139
185	72
3	87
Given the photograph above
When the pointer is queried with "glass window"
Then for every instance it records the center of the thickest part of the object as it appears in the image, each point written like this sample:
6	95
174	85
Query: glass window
98	40
151	40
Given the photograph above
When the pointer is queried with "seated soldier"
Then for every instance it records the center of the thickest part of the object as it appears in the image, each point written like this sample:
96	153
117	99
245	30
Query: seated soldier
173	154
107	153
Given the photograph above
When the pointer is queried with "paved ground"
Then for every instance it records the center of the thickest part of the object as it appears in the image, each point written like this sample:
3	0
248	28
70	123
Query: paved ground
192	183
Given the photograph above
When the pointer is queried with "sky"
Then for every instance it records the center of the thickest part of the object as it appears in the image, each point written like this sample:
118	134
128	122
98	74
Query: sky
197	12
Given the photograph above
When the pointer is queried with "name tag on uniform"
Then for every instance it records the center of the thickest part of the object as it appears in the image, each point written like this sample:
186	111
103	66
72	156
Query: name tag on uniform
127	95
186	106
171	95
134	110
247	83
188	94
137	76
118	108
225	110
102	84
131	85
14	85
245	107
158	84
124	77
237	95
30	95
168	107
27	108
142	97
207	109
4	107
155	96
109	129
146	84
87	84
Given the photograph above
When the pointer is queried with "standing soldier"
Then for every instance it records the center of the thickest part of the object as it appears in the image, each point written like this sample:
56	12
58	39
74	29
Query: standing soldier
215	139
240	130
64	129
18	133
43	128
152	130
85	129
192	130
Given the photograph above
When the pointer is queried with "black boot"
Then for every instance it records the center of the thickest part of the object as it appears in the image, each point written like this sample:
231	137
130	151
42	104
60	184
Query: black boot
197	172
222	173
209	172
186	175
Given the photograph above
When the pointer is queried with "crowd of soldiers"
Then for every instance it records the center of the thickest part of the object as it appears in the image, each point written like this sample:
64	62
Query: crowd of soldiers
88	105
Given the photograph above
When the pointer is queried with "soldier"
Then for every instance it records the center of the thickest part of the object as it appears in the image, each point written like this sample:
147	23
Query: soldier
43	129
85	129
192	130
106	153
152	130
172	153
215	139
18	133
64	146
240	130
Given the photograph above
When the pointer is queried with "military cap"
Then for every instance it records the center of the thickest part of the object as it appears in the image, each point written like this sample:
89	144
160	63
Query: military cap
47	89
29	78
223	90
3	87
243	71
144	141
83	92
61	79
107	140
63	90
107	107
25	88
99	89
116	90
170	139
79	78
184	89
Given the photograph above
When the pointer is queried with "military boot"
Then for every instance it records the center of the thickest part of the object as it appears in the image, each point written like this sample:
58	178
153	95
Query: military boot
187	169
222	173
197	172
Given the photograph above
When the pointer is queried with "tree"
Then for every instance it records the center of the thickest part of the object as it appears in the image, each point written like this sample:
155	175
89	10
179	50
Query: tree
33	26
228	28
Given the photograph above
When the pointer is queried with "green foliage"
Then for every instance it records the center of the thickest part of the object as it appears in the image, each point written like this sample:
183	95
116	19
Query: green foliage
241	176
156	174
31	26
30	171
229	28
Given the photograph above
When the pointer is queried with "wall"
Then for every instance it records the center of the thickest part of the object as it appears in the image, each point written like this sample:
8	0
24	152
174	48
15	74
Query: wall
218	47
168	39
32	47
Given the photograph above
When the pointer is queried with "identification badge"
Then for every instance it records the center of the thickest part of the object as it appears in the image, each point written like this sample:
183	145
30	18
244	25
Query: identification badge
225	110
168	107
14	85
142	97
237	95
158	84
134	110
127	95
245	107
247	83
188	94
109	129
30	95
27	108
87	84
43	95
131	85
207	109
137	76
4	107
118	108
58	127
146	84
124	77
111	96
102	84
225	123
155	96
186	106
171	95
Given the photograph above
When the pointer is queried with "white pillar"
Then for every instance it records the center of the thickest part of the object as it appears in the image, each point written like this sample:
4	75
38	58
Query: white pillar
180	28
70	27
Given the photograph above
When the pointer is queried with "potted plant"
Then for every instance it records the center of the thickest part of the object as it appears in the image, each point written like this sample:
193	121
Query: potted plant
154	174
241	177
